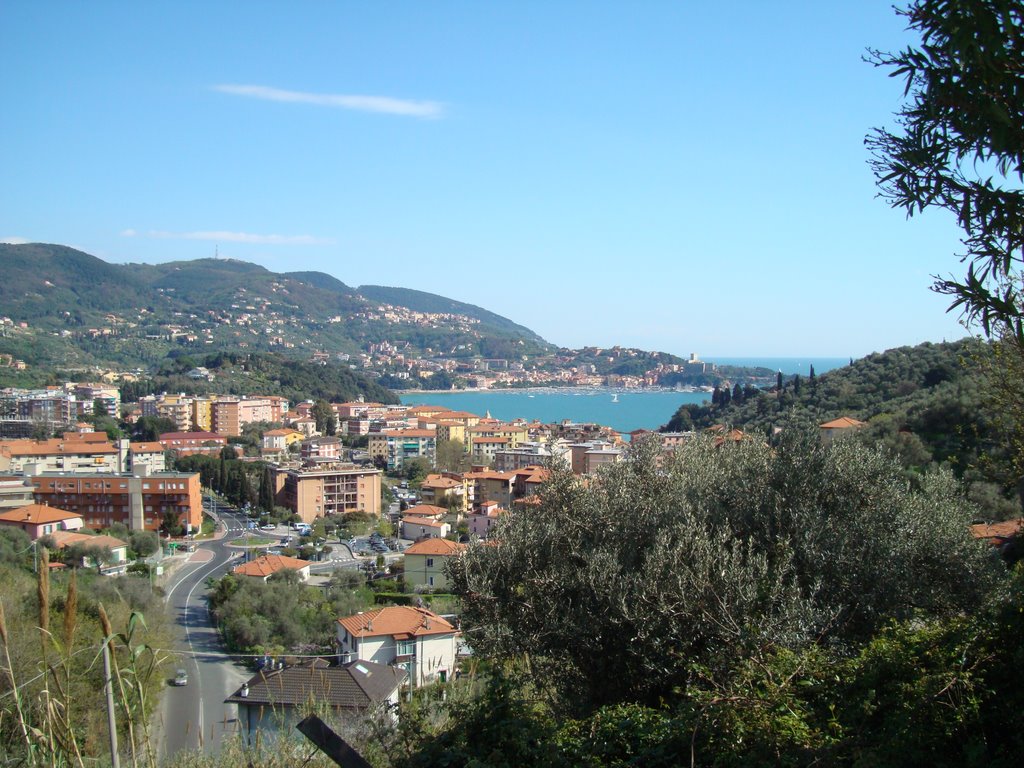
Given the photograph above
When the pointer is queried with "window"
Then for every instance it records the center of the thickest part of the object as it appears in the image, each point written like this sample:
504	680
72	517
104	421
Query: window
431	580
405	648
430	562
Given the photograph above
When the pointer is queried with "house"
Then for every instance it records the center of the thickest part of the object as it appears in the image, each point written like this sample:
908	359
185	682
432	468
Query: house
998	534
421	527
276	700
830	430
480	523
40	520
265	566
413	639
275	442
424	521
444	489
118	549
425	562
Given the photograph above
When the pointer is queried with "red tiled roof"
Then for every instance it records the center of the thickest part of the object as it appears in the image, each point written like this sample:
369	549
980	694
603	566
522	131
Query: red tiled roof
265	565
37	514
437	547
843	422
399	621
998	532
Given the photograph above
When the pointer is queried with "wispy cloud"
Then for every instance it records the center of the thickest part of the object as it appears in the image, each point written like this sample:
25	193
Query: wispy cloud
231	237
14	240
383	104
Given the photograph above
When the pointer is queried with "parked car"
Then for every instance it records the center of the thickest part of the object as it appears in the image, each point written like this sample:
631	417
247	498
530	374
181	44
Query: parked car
268	527
181	677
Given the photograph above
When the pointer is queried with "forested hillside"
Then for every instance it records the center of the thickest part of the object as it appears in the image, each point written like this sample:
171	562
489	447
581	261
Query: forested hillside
80	310
930	404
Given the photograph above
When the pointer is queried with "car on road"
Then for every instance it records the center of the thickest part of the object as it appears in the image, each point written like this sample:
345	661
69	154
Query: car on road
268	527
181	677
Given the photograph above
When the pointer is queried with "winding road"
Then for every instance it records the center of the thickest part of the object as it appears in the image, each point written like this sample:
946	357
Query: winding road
194	716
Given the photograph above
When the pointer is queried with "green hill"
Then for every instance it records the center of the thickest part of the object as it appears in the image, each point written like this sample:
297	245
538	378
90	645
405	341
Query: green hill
929	404
429	302
83	311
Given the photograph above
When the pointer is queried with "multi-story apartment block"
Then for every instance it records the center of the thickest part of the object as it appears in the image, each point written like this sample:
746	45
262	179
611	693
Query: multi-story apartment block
95	398
526	454
514	433
396	446
451	430
229	414
327	489
138	500
321	449
224	417
483	449
85	452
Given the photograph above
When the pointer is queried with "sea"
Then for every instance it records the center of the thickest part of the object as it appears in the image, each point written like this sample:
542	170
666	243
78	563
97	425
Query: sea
622	410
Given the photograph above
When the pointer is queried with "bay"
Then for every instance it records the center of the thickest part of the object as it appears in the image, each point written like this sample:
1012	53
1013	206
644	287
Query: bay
788	365
634	409
628	410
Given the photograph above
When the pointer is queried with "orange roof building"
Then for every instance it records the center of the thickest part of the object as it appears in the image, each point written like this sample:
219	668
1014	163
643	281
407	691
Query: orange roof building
414	639
40	520
265	566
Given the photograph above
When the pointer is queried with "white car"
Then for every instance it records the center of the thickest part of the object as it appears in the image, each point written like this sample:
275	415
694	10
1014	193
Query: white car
268	527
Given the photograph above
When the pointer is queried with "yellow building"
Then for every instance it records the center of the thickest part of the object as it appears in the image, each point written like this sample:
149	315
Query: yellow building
425	562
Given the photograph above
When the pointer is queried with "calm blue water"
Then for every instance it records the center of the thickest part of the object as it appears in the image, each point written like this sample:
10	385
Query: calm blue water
634	410
788	365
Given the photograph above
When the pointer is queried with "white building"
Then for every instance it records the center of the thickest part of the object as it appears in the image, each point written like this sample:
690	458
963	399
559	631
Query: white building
413	639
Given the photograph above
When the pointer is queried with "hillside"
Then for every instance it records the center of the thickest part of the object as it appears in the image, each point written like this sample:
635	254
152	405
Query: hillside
93	312
429	302
927	403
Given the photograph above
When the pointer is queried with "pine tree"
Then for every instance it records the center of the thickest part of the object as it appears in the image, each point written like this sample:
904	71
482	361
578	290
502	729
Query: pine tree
266	500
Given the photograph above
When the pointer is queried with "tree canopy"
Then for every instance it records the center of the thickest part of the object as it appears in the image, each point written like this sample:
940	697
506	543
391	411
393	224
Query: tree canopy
615	589
959	145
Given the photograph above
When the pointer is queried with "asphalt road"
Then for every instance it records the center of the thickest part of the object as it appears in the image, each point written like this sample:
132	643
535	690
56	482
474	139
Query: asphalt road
194	715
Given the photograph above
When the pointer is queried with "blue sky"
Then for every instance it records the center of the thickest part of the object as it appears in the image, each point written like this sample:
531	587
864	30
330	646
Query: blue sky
681	176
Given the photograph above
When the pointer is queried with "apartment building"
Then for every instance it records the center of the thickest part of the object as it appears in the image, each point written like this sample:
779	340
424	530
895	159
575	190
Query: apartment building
327	489
396	446
139	500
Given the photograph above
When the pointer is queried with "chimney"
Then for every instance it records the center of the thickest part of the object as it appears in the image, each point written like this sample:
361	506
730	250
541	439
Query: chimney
244	693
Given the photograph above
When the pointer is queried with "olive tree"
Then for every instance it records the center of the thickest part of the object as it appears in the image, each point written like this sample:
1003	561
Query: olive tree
959	145
622	587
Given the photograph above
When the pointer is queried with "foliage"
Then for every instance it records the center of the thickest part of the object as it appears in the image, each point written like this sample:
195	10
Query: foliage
282	613
50	682
415	469
959	146
930	405
616	588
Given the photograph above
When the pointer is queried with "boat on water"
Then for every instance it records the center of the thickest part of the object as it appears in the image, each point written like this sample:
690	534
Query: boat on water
615	397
